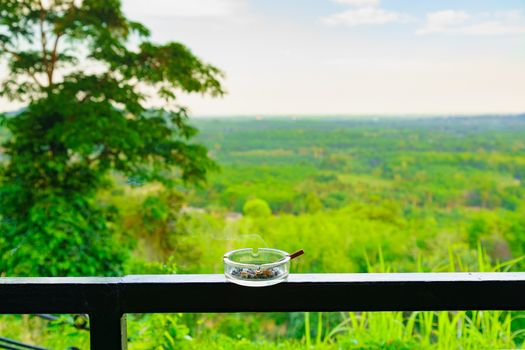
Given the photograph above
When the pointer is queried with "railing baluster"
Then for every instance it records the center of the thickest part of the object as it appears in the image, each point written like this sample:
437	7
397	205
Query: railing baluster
108	330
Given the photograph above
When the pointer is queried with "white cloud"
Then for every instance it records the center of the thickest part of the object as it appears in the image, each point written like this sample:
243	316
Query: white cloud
182	8
359	3
441	21
364	12
460	22
365	16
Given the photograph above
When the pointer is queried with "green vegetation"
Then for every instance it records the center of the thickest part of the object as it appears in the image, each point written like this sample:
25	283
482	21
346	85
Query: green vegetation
358	196
81	124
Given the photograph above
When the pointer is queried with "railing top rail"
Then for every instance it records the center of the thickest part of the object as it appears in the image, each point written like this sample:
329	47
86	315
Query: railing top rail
23	281
302	292
344	278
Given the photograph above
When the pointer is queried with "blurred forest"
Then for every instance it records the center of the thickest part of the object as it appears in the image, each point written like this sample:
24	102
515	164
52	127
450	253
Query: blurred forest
359	195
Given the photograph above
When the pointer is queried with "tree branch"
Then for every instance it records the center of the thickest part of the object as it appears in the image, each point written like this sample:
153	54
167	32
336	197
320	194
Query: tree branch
44	41
54	54
17	56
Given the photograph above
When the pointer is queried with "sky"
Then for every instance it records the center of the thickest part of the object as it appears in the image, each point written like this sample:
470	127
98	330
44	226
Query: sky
350	57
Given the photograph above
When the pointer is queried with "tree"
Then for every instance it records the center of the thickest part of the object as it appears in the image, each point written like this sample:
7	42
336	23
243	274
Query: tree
87	75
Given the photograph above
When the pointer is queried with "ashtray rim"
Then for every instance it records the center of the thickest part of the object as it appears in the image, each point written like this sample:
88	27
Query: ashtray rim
282	261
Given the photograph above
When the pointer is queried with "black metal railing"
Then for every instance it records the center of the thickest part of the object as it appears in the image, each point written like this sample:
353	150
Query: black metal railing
108	300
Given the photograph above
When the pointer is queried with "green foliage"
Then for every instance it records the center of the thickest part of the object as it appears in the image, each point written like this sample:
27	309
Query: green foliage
60	235
257	208
427	330
308	203
82	124
158	332
59	334
221	342
434	163
395	196
402	195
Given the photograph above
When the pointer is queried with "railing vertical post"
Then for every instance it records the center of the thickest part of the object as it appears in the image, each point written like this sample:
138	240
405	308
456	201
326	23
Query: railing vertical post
108	330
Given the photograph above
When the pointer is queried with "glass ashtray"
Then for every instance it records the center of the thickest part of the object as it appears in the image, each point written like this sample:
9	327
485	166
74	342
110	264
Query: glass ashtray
256	267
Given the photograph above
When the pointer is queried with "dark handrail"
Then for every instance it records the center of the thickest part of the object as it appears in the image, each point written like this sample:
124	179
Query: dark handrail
107	300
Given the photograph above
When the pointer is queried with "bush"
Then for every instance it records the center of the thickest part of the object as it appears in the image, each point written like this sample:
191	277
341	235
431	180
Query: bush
257	208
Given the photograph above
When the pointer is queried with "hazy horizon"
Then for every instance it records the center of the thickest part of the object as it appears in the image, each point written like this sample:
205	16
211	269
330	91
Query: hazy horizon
397	115
343	115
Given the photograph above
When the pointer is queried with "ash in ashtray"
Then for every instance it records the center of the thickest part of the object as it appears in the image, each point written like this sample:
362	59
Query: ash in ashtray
255	274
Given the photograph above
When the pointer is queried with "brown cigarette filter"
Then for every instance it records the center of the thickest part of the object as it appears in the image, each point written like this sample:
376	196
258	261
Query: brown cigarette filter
296	254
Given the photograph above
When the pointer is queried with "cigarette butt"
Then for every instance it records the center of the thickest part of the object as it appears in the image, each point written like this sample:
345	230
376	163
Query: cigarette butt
296	254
